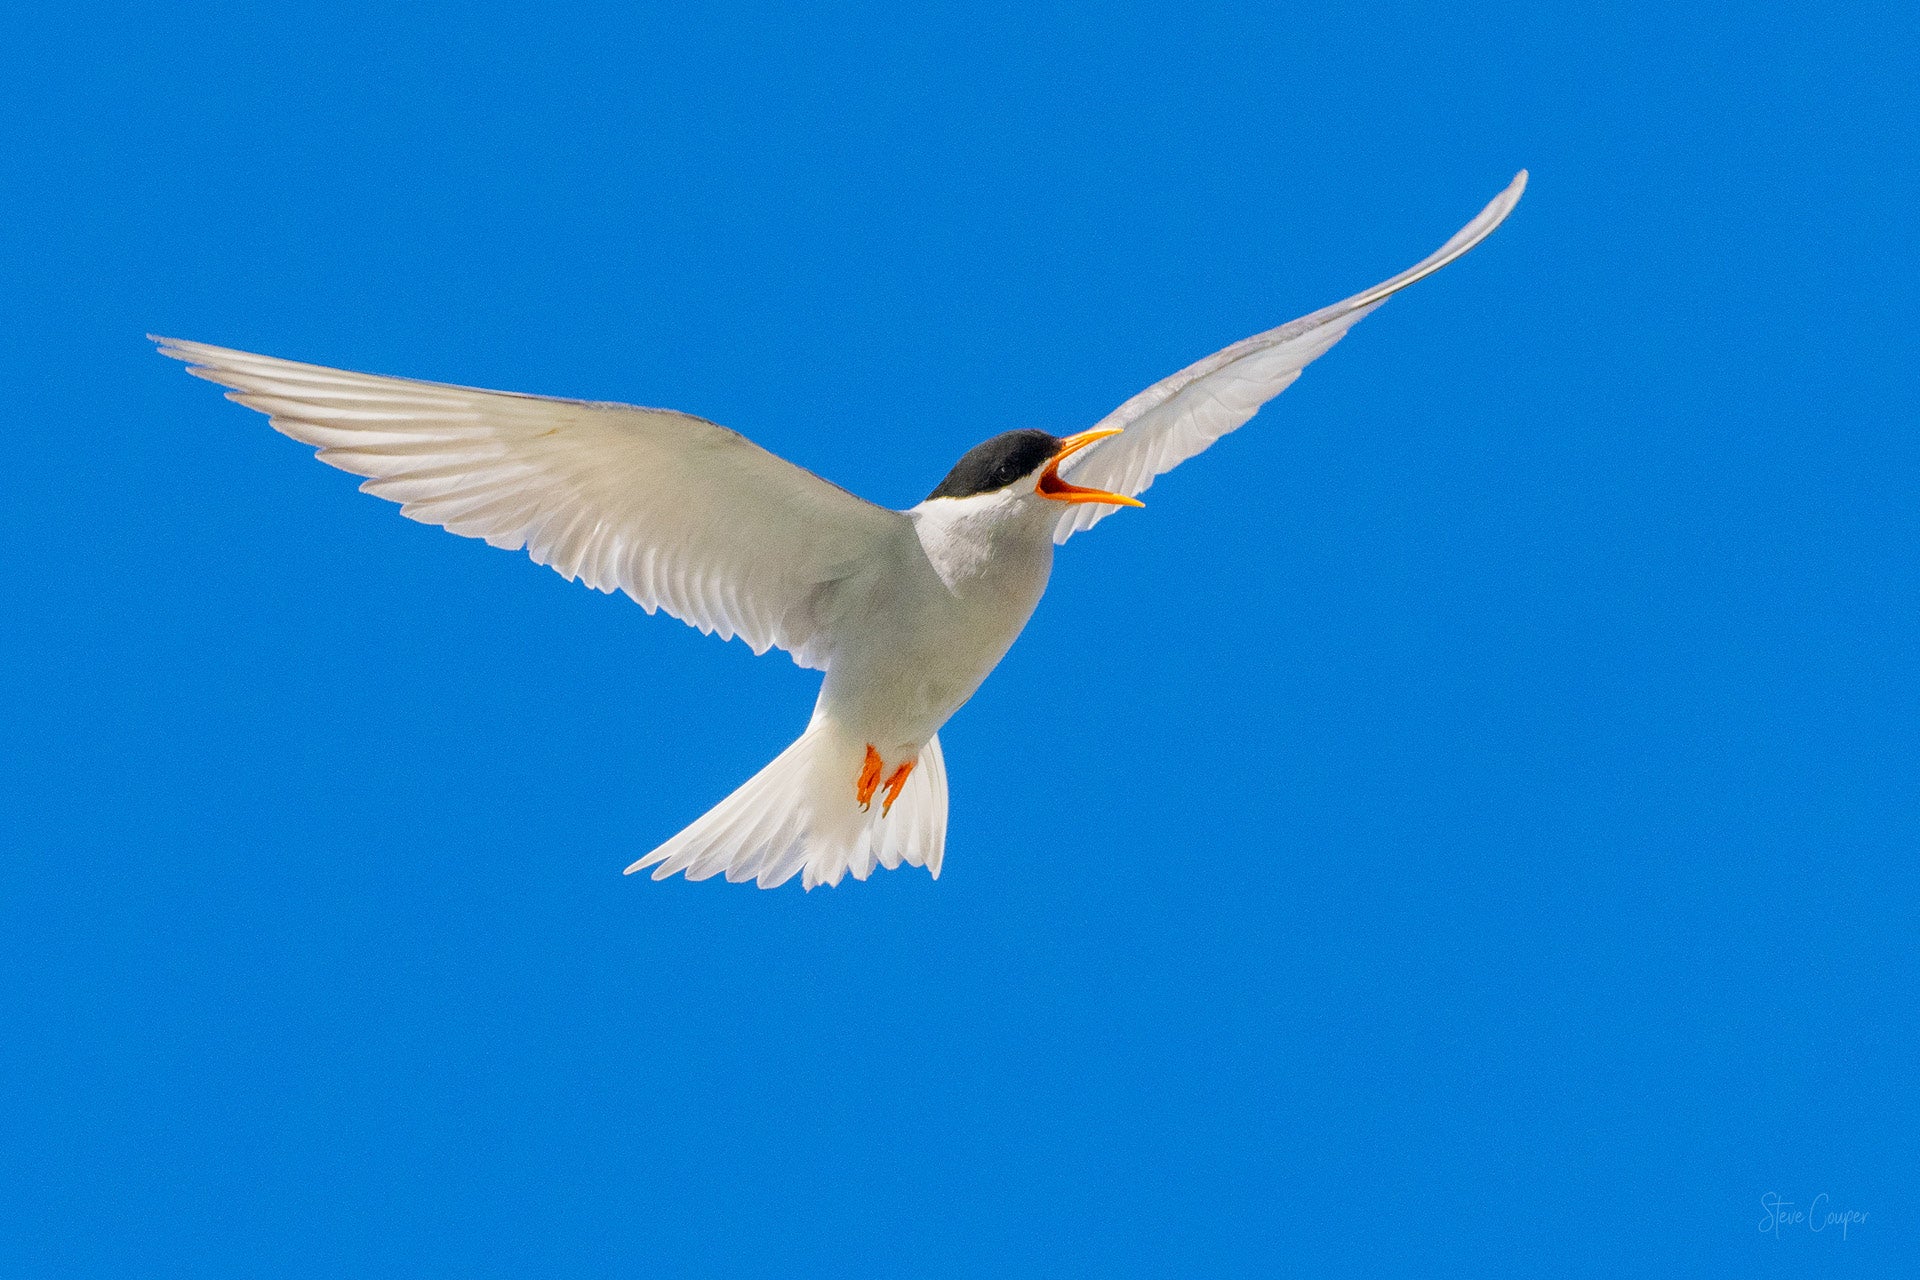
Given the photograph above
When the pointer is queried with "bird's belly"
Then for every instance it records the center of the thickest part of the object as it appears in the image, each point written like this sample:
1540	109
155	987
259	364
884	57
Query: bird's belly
900	676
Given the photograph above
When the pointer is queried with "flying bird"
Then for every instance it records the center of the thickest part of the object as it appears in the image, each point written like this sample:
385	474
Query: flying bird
904	611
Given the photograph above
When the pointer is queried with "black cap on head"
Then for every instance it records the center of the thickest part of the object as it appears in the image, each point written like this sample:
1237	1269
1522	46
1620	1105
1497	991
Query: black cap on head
998	463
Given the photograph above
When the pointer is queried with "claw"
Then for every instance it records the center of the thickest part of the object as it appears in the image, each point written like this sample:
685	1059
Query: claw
869	780
894	783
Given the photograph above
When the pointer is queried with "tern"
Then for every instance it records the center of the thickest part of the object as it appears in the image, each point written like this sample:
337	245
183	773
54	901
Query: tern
905	612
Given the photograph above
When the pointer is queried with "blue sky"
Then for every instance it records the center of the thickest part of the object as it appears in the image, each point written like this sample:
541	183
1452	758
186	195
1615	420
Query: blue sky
1464	825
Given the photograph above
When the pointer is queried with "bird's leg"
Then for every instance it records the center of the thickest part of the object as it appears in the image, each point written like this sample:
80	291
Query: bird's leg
894	783
869	780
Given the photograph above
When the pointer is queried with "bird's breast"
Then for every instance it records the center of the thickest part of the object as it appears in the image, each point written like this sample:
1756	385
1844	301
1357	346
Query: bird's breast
928	634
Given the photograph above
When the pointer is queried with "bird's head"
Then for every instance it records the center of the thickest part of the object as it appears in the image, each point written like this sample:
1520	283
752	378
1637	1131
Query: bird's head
1025	465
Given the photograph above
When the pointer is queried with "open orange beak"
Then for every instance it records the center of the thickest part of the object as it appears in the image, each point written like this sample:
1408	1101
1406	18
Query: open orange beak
1052	486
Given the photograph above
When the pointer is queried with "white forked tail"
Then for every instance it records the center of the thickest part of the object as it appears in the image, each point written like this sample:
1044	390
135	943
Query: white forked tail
799	814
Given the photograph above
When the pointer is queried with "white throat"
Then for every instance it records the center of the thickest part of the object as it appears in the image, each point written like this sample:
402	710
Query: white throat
988	540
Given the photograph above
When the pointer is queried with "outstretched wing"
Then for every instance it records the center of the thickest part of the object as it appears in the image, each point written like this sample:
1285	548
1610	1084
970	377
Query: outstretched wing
1173	420
678	512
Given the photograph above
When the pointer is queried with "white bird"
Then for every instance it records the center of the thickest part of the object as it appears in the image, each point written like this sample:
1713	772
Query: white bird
905	611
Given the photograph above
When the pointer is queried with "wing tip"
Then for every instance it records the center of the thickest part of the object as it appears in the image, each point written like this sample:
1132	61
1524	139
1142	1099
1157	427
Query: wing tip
1494	214
1510	195
172	348
197	356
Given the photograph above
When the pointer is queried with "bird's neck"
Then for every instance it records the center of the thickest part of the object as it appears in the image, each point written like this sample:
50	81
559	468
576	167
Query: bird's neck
987	543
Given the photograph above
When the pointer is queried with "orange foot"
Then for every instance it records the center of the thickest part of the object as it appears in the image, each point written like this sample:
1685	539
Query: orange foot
869	780
894	783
